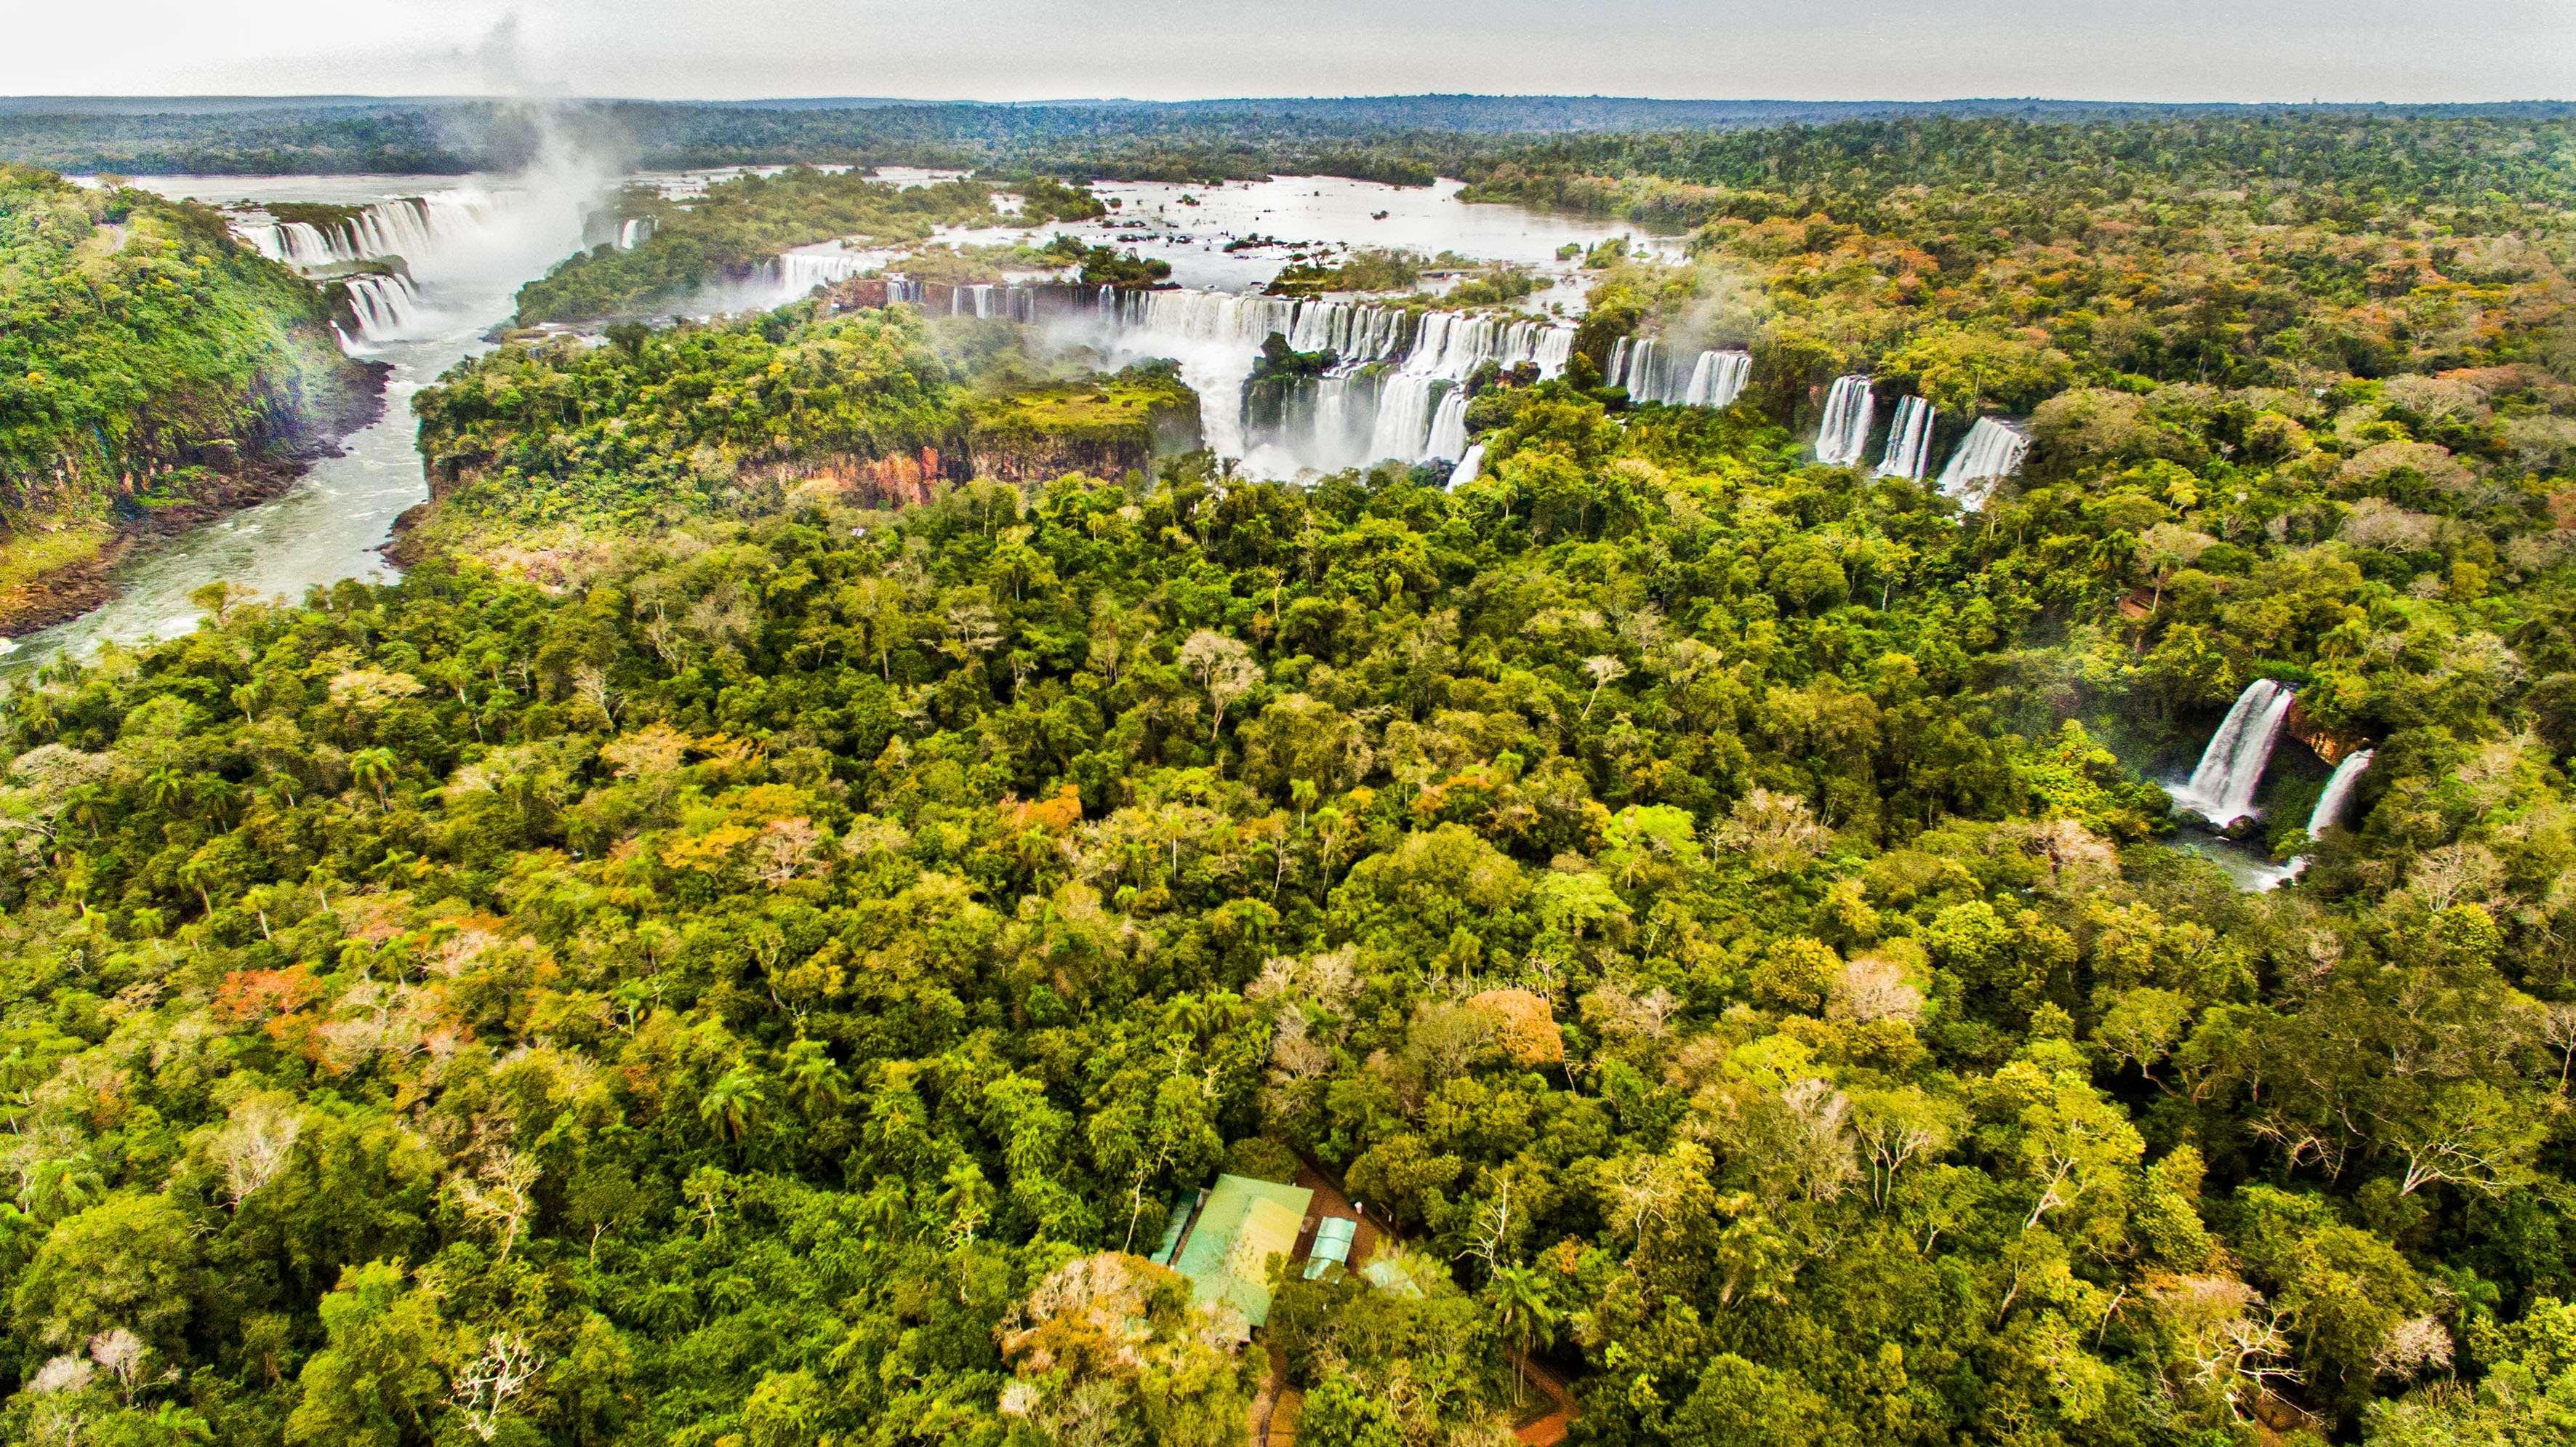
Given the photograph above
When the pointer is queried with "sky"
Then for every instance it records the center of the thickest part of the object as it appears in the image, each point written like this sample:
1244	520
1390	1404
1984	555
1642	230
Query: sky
2142	50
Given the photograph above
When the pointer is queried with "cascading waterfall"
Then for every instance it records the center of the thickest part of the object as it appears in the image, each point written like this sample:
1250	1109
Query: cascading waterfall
1909	441
409	226
802	271
2231	768
1718	379
1714	378
1396	391
634	232
1992	451
384	305
2338	793
1469	467
1850	407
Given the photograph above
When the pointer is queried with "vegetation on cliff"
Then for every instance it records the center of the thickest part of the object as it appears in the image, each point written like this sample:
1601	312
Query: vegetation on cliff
563	444
146	362
747	221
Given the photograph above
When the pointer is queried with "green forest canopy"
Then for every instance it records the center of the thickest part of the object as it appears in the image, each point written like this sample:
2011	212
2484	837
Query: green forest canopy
750	985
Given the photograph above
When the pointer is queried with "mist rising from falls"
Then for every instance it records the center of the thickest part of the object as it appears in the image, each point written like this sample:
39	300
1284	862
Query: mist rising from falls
2231	767
1909	441
1843	436
1992	451
1651	373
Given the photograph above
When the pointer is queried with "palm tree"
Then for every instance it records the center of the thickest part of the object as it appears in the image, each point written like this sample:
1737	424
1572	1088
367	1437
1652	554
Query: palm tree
374	767
1522	1313
814	1083
732	1103
166	787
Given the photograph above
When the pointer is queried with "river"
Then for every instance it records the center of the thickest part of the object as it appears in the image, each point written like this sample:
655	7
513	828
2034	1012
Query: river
330	525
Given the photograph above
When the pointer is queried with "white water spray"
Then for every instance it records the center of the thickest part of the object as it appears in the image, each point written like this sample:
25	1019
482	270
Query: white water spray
2231	767
1850	407
1909	441
1992	451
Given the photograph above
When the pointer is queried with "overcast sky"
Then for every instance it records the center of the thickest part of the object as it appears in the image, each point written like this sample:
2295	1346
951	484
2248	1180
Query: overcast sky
2153	50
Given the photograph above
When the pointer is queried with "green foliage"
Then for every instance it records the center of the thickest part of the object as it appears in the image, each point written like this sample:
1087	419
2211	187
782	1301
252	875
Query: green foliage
741	223
140	346
759	983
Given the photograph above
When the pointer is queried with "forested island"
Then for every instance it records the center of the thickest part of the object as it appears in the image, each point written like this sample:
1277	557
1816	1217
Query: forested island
746	221
853	820
152	371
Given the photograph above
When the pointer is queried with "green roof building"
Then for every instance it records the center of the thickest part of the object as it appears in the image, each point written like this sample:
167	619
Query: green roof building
1225	1246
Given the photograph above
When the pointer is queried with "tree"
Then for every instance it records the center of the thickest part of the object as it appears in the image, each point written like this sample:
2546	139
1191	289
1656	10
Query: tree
1523	1314
733	1103
374	769
131	1262
1223	666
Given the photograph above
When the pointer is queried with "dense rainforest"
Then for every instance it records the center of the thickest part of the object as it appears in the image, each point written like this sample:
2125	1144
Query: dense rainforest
712	956
149	365
1399	139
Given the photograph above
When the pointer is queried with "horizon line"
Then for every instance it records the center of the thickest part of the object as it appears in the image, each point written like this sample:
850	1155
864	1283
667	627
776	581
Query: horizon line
886	101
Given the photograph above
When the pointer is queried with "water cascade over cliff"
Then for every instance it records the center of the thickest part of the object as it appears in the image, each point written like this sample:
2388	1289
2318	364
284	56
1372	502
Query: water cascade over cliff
1653	374
1850	407
1395	389
634	232
1909	441
1992	451
408	226
2338	793
1469	467
2231	768
385	306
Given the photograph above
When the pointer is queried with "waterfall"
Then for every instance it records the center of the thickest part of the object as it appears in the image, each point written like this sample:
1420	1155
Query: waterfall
1991	452
410	227
2231	768
1849	409
1714	379
634	232
1449	427
801	271
1469	467
2338	794
384	305
1909	441
1718	379
1396	390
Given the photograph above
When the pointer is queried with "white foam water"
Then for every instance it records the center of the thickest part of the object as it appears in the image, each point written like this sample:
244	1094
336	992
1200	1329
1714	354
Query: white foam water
2221	789
1909	441
1992	451
1850	407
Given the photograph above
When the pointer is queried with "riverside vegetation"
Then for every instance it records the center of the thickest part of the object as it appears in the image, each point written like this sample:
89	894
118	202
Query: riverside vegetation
748	220
149	367
746	977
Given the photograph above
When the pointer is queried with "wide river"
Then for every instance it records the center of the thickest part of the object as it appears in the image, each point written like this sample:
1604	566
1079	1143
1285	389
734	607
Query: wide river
330	525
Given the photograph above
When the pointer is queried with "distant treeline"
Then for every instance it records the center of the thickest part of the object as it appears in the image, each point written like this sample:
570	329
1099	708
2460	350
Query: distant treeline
1396	138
